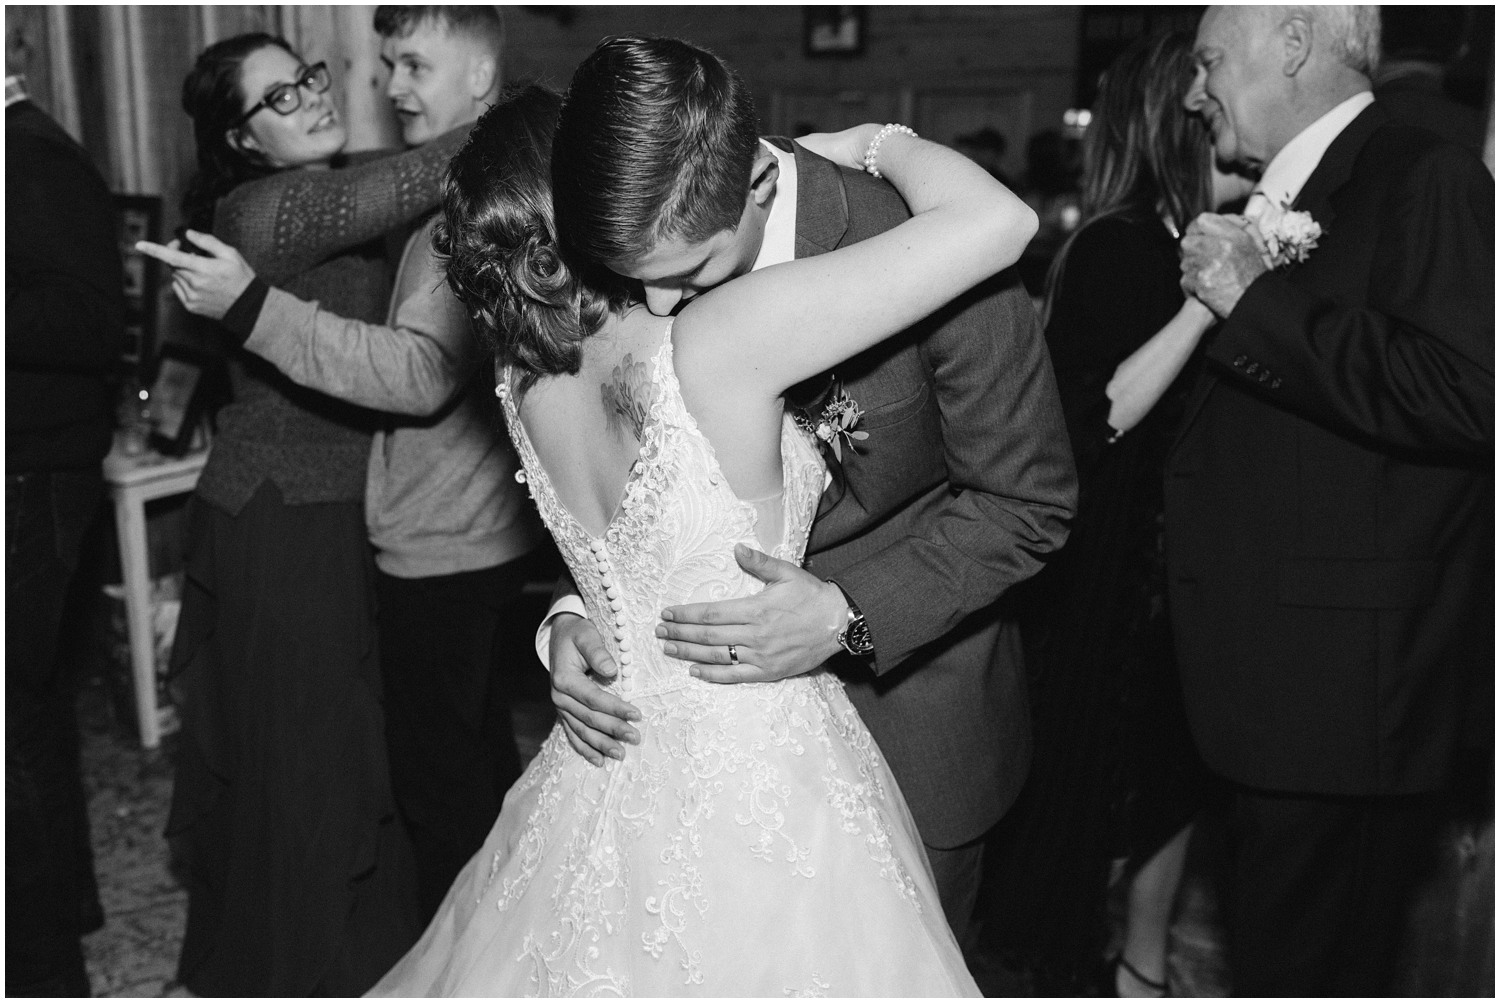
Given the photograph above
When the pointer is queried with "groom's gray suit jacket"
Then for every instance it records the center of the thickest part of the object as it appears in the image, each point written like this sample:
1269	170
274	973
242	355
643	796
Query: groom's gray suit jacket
963	486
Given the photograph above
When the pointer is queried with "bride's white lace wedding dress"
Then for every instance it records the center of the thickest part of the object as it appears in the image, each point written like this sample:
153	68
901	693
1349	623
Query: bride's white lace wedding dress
753	844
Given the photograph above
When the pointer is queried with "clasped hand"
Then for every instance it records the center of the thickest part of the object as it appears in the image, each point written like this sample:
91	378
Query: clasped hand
1221	256
789	628
206	285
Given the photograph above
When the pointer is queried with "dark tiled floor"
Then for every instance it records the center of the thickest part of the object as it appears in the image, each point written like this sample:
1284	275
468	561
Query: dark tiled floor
129	789
1451	951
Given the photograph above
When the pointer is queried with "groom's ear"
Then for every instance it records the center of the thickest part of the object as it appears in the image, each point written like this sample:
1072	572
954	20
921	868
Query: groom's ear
764	173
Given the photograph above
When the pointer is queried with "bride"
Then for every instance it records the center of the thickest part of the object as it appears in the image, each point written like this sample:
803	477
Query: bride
754	843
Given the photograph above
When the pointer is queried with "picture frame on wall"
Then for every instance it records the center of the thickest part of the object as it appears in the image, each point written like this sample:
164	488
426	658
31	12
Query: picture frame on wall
139	219
833	31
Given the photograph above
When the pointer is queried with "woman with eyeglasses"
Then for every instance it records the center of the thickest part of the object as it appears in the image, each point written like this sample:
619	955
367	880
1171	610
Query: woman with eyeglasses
299	878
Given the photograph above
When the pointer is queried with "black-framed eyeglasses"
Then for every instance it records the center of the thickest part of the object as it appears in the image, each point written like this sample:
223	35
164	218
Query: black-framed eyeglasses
284	99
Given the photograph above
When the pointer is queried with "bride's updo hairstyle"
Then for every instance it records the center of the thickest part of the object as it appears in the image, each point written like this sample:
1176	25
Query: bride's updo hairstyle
498	237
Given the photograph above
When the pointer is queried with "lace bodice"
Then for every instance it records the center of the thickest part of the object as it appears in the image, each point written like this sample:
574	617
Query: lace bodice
672	538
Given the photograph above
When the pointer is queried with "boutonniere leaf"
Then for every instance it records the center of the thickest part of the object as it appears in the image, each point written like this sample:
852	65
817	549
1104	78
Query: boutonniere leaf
836	419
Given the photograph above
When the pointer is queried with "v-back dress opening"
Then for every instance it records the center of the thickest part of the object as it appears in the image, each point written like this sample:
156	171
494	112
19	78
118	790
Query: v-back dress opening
753	844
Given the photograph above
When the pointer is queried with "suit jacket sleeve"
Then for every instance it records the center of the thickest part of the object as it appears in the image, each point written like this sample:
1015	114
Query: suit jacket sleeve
413	366
64	288
1011	482
1413	365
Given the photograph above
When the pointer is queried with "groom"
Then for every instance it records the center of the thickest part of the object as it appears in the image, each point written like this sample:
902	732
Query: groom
963	485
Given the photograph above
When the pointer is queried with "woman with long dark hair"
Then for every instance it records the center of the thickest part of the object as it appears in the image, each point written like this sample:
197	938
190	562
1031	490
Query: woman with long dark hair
299	879
1116	781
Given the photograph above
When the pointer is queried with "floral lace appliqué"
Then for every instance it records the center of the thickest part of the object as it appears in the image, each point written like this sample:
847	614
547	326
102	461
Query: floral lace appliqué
645	865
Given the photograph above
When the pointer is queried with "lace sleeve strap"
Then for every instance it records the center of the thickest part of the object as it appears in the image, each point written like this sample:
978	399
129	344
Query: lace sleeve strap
290	221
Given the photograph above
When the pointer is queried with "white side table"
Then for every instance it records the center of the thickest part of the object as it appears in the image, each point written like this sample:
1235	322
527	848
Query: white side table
133	481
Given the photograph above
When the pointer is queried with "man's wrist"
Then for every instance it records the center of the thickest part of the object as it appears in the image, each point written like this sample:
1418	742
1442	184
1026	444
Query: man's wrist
568	604
853	635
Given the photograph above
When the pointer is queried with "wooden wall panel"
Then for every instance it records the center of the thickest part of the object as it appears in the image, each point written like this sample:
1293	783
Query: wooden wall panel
1021	56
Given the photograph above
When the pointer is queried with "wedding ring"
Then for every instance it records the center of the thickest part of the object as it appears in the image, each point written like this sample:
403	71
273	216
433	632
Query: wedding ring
734	655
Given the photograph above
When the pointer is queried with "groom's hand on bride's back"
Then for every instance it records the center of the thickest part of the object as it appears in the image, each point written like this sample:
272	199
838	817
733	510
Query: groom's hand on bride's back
594	719
788	628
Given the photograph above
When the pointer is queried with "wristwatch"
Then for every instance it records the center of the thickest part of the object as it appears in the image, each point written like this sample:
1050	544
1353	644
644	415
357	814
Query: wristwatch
855	637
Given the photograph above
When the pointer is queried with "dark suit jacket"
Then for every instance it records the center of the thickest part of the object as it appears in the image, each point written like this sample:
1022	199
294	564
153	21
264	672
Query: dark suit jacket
1328	499
965	482
64	298
1418	99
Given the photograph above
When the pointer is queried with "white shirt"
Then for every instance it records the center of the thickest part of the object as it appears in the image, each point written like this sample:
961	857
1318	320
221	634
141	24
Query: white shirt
15	89
1289	170
778	244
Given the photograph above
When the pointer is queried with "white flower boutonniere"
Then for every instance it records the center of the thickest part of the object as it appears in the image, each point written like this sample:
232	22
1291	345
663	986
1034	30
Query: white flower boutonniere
836	419
1290	236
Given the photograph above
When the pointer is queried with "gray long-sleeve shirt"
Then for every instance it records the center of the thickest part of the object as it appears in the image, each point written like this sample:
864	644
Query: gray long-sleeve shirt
441	495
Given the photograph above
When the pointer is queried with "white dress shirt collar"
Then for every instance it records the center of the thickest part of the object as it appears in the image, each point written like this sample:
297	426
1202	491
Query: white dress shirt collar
1289	170
15	89
779	243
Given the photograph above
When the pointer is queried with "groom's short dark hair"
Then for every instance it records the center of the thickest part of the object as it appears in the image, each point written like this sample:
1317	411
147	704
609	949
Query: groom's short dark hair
656	140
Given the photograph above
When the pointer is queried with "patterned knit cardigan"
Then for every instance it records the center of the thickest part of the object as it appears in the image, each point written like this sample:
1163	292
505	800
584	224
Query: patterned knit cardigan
316	234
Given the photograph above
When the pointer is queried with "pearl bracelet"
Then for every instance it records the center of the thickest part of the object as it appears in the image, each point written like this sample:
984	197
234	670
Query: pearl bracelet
874	147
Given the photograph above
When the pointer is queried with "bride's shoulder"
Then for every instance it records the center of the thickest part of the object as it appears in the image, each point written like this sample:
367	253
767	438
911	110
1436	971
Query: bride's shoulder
631	338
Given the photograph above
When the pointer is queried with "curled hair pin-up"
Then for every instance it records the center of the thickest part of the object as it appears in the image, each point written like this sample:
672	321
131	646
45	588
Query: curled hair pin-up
503	260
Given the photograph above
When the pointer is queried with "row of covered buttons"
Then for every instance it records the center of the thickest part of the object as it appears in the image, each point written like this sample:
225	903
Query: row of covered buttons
1261	374
612	593
503	391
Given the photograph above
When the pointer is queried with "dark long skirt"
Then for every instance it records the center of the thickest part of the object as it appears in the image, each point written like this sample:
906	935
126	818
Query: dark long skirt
1115	773
300	880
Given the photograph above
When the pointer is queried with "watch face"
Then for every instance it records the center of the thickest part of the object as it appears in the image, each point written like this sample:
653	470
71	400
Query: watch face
856	638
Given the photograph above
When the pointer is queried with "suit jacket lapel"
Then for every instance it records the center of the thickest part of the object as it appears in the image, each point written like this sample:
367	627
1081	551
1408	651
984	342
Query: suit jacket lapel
822	221
1337	164
1315	198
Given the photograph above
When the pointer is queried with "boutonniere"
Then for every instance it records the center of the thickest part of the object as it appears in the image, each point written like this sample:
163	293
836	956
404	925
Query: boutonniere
1290	236
837	418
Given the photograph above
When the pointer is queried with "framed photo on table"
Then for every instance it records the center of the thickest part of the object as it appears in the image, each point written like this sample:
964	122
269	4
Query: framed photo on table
177	397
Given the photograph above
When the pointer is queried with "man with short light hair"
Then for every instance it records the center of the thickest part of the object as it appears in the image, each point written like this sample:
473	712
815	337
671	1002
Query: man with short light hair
450	525
1328	501
444	64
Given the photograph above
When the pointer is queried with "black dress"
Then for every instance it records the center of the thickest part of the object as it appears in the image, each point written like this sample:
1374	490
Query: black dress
299	875
1115	773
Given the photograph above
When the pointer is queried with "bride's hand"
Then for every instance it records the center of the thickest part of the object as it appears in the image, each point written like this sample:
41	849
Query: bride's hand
847	148
595	721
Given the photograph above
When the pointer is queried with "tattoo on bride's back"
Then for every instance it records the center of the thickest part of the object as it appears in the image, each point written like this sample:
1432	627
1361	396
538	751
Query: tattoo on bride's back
626	396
